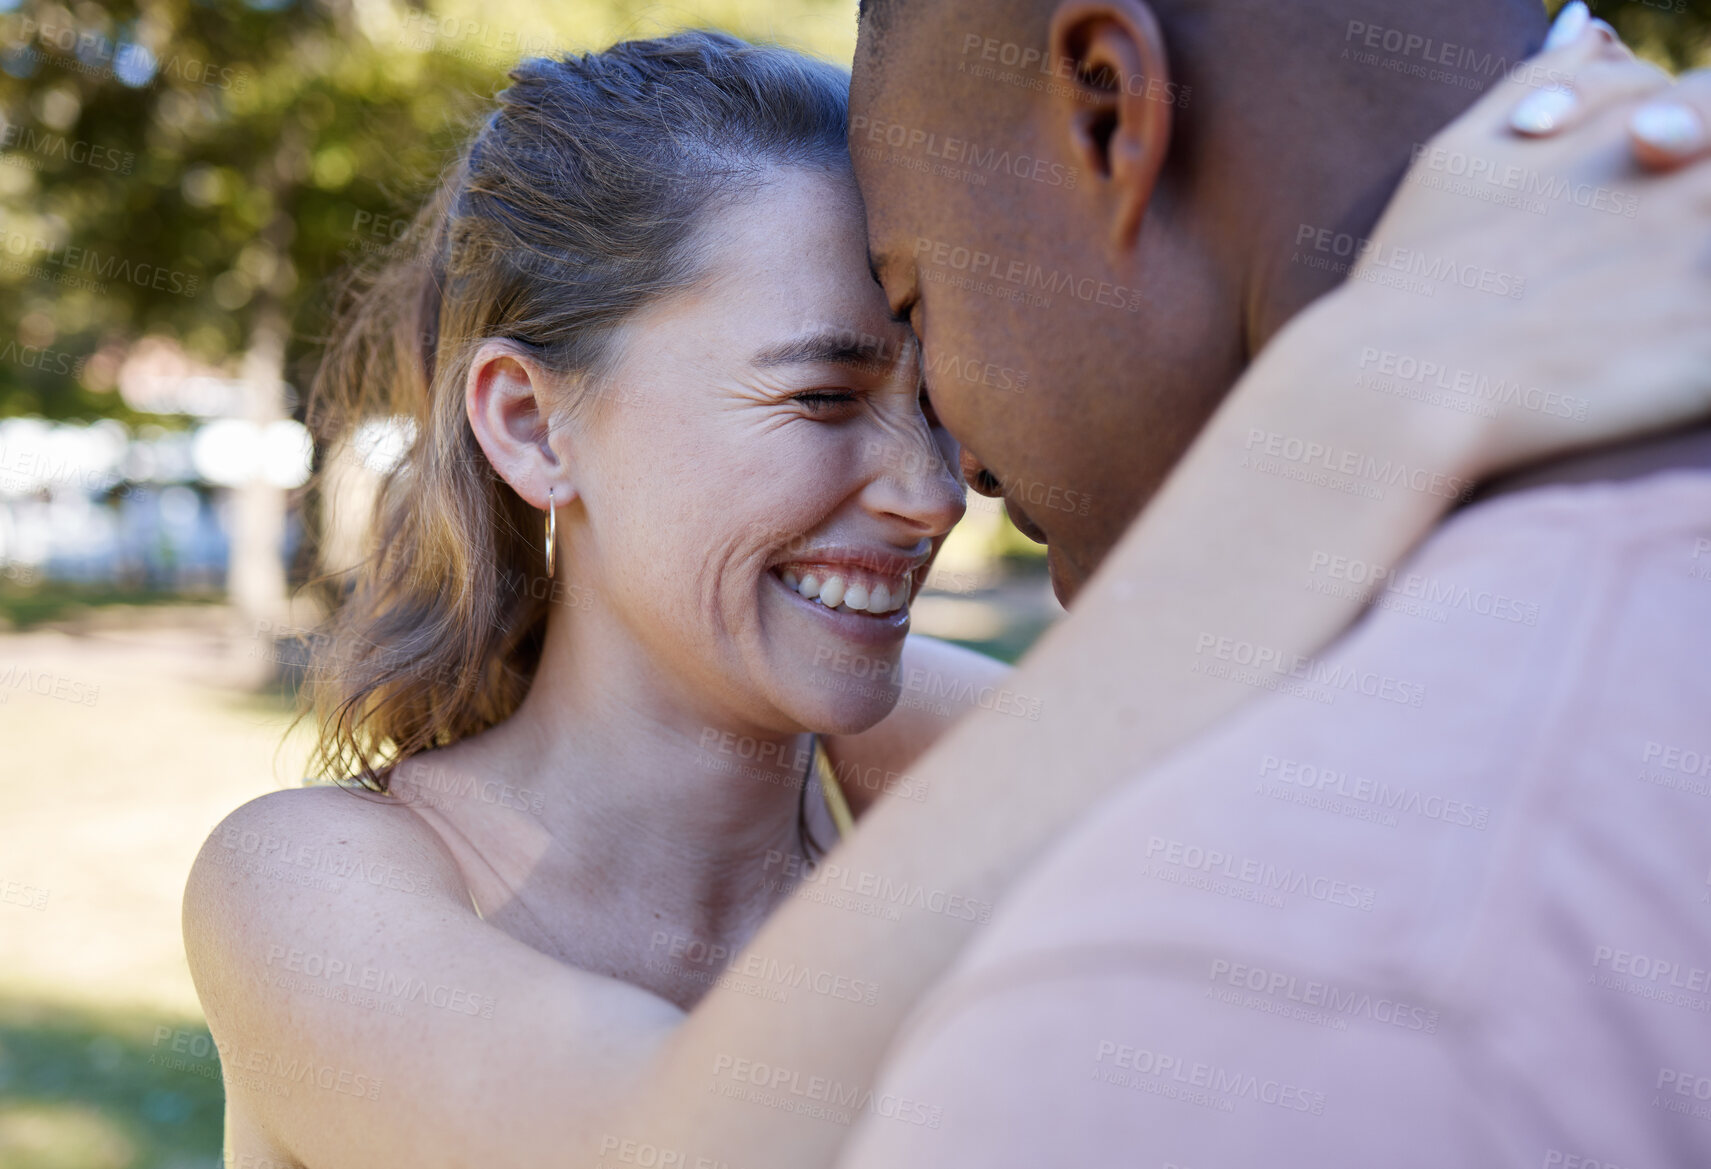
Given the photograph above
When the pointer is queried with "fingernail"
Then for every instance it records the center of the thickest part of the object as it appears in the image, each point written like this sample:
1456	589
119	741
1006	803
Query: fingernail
1569	24
1542	111
1670	127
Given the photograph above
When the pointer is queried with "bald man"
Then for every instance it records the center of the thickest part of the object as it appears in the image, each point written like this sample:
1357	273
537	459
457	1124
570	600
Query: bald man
1440	897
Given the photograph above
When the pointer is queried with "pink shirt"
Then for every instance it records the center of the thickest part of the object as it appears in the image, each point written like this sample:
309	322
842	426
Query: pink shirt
1442	901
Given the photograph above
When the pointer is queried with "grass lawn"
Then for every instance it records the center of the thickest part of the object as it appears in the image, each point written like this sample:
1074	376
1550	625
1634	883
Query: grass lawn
106	792
27	606
86	1088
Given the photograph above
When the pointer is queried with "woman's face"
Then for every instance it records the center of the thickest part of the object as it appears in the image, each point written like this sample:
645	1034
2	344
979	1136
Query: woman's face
761	492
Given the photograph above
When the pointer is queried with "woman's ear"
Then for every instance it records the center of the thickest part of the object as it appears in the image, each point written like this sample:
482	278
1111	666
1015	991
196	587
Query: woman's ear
509	402
1119	105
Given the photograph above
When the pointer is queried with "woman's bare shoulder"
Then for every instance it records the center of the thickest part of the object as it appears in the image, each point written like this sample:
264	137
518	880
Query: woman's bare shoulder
322	837
286	862
331	938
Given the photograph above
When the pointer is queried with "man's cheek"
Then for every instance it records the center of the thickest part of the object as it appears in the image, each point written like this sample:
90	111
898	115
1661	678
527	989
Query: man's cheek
956	403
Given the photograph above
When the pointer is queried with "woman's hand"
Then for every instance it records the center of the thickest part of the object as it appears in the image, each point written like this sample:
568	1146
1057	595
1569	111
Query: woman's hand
1578	277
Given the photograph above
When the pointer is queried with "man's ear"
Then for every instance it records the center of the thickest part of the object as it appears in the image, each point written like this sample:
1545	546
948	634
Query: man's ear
1121	104
508	399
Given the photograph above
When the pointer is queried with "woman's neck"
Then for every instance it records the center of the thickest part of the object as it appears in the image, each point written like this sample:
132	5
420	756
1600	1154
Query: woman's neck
651	797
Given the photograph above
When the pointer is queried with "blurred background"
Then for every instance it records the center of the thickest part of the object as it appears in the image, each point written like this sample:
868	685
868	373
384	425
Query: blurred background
180	180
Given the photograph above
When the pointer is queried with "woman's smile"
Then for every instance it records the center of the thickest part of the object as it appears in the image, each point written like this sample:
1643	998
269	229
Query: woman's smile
855	593
858	594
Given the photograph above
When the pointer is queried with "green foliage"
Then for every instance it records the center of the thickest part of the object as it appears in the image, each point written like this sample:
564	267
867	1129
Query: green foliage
232	181
1675	33
25	606
272	143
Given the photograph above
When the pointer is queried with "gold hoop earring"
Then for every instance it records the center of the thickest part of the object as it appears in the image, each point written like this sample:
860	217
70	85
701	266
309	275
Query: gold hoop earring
552	533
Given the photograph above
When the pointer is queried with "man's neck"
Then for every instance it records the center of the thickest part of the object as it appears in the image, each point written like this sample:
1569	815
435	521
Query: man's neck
1330	176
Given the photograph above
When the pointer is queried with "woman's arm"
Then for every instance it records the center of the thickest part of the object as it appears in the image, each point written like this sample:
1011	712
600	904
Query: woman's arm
1613	314
1218	560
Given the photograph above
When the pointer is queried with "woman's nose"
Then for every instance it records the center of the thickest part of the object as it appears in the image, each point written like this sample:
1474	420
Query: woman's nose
975	474
916	483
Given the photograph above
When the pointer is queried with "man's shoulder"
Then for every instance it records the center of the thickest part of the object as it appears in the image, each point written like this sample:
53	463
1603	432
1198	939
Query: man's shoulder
1375	790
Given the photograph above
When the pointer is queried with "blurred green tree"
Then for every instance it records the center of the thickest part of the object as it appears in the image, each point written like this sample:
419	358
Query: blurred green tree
1675	33
196	170
190	171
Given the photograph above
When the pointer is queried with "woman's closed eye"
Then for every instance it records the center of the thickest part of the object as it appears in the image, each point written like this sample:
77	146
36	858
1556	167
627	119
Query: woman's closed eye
821	403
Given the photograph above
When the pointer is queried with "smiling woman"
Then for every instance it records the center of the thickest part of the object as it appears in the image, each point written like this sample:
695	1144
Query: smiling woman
601	187
667	481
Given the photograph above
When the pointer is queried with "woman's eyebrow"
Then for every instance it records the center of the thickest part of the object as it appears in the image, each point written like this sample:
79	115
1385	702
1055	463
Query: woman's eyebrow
828	347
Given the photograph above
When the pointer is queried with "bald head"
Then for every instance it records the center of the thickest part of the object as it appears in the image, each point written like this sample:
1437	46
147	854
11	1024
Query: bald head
1100	204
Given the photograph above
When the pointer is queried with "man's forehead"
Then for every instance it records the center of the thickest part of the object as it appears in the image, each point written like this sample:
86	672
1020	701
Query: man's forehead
877	23
890	195
898	48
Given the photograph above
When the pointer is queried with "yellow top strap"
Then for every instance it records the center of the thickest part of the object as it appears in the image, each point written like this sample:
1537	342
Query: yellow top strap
835	802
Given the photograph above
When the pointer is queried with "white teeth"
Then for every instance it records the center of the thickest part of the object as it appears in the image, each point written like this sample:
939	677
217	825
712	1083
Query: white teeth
856	596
